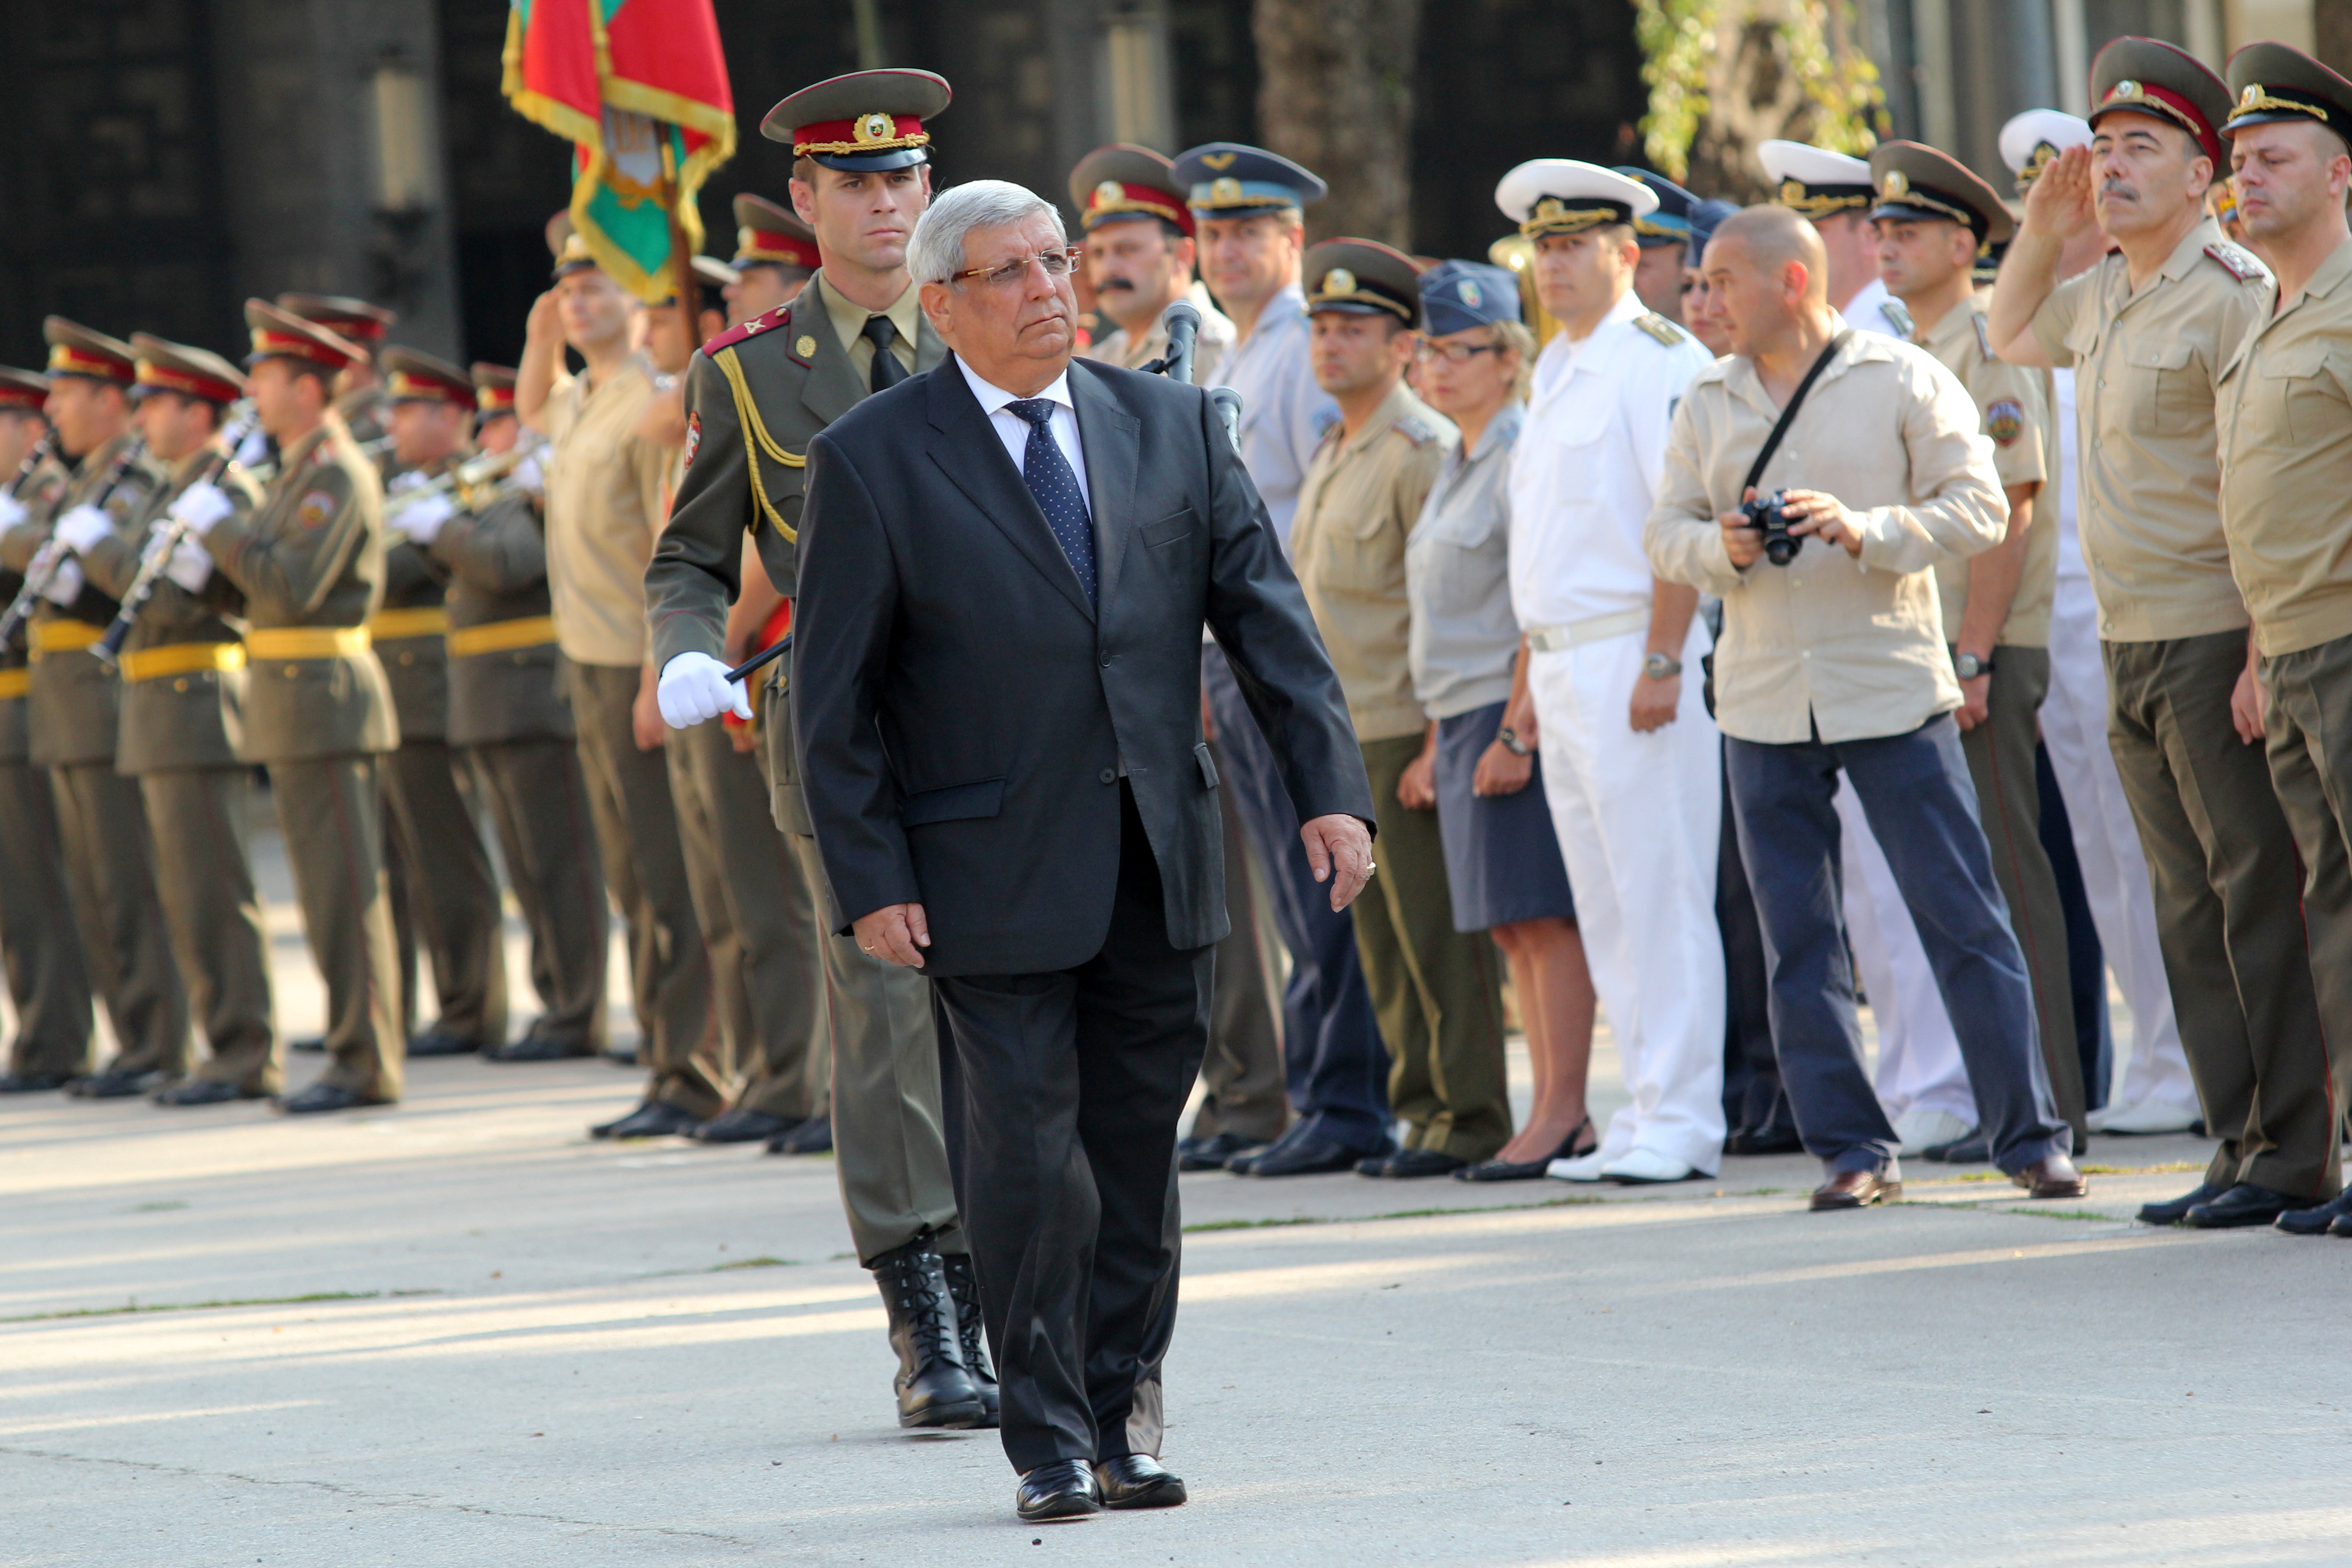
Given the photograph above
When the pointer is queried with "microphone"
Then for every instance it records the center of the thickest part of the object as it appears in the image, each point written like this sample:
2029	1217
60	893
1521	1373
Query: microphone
1183	320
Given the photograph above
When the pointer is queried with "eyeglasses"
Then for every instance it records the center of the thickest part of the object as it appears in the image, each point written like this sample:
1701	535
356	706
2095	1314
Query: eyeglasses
1005	274
1453	354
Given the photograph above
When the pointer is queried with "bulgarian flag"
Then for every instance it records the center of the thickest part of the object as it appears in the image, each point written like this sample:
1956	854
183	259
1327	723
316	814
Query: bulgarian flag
639	87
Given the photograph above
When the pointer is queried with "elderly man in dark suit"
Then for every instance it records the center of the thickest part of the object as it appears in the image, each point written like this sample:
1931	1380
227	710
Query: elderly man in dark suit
1005	565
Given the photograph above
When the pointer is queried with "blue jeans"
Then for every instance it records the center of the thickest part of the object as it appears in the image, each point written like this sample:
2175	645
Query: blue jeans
1335	1067
1914	789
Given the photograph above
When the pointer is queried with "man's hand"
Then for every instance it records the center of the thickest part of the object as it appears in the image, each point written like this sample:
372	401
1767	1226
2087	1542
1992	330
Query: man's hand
1501	771
1976	703
1822	516
201	506
421	520
895	932
695	689
2058	203
645	714
545	321
1655	702
1343	843
2246	701
1742	539
1417	788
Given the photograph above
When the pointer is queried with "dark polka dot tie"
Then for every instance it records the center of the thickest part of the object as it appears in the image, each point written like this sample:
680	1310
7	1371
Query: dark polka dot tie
1056	484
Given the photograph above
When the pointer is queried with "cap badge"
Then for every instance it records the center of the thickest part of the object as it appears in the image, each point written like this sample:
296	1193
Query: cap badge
1896	184
871	127
1792	192
1109	193
2125	89
1226	192
1552	209
2250	97
1219	160
1338	280
1469	293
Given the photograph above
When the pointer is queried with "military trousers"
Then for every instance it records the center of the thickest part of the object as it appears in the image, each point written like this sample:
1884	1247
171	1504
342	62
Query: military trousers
2221	864
1999	754
1438	992
759	921
445	897
1241	1077
636	815
330	810
48	981
538	802
203	875
110	871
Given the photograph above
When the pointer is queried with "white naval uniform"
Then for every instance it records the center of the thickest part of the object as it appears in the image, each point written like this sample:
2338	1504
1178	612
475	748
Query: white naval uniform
1638	816
2155	1077
1284	413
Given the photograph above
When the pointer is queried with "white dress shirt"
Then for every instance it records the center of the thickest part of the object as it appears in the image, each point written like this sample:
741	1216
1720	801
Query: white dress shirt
1013	430
1868	311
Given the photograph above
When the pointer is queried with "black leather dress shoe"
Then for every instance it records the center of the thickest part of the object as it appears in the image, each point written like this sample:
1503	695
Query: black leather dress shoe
1406	1164
972	1337
1972	1150
933	1386
1768	1140
622	1056
204	1091
2174	1210
32	1082
442	1043
741	1125
1855	1190
1215	1152
1063	1489
1301	1157
814	1136
2319	1221
1137	1480
321	1097
651	1119
539	1048
310	1046
2341	1227
2242	1205
2053	1177
115	1085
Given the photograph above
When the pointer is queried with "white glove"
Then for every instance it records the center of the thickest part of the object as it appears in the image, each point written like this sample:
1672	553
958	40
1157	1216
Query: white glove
201	506
694	690
191	567
12	512
65	582
82	527
530	474
422	519
253	450
405	480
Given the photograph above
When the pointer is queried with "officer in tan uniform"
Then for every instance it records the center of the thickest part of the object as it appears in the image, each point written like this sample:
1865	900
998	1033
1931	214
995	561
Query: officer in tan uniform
182	673
317	711
775	256
2149	329
359	397
1935	220
443	889
2285	411
1141	256
76	711
46	980
755	395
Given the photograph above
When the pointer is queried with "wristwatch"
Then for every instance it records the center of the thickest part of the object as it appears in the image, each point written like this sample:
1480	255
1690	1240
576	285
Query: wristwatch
1662	667
1512	743
1967	666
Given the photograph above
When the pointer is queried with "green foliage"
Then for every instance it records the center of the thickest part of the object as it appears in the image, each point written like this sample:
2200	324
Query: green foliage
1683	41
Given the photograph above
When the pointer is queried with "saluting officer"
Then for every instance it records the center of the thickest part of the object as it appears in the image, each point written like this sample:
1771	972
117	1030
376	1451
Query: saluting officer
75	707
319	712
48	981
443	889
360	396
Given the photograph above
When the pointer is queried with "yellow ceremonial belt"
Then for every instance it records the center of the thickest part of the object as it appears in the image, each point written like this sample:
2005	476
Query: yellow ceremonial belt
15	682
501	637
307	642
424	621
64	636
182	658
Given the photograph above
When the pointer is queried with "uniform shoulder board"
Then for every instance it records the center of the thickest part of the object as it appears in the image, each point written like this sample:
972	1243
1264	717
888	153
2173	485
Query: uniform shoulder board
1894	312
1984	339
1415	429
781	316
1660	328
2236	263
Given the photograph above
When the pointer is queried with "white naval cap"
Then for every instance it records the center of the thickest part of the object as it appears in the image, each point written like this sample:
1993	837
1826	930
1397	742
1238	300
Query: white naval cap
1815	180
2031	139
1560	196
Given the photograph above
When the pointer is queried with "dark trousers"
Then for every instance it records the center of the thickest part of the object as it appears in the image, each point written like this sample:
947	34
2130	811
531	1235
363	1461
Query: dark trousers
445	897
1072	1084
1915	790
204	876
1241	1079
1753	1097
1334	1062
2086	961
38	939
539	801
110	871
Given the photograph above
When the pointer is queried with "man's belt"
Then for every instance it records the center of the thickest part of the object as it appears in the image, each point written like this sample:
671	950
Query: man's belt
1596	628
424	621
15	682
182	658
307	642
60	635
501	637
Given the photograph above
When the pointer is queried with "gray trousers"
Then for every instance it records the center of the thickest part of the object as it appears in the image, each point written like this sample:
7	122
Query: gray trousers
204	876
445	897
538	804
330	810
1242	1075
110	870
48	981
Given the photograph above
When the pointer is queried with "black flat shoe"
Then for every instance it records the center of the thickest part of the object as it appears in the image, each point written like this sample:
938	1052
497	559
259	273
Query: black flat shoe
204	1091
310	1046
651	1119
441	1043
321	1097
1531	1170
2242	1205
741	1126
1408	1164
1971	1150
814	1136
1215	1152
115	1085
2320	1221
2172	1211
539	1048
1065	1488
1304	1157
33	1082
1137	1480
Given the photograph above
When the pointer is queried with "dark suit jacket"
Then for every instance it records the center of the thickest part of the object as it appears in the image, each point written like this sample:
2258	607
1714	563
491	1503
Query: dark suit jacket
963	715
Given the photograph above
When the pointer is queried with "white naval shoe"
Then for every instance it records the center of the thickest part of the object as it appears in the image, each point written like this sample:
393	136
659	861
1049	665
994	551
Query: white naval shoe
1919	1131
1583	1168
1645	1167
2143	1120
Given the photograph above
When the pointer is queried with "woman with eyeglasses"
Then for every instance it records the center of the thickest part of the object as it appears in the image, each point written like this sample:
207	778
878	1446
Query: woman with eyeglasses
1469	672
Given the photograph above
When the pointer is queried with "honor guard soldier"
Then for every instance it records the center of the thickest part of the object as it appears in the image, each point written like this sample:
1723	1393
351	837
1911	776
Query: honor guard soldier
76	711
1664	237
775	256
2286	413
756	394
318	712
2151	328
445	895
48	982
1140	254
359	391
1935	220
182	672
509	721
1835	192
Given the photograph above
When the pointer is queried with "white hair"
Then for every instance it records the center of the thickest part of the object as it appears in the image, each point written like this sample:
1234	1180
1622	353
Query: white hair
936	252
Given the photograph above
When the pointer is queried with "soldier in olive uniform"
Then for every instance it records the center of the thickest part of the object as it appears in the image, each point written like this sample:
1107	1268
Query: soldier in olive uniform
182	672
359	397
76	712
775	256
318	711
443	889
46	979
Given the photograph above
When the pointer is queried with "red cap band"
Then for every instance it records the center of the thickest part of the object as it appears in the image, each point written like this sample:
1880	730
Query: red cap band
767	245
2148	97
1114	198
209	388
875	132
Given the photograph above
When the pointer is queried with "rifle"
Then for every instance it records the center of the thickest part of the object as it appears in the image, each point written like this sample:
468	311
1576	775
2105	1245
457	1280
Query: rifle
243	420
43	569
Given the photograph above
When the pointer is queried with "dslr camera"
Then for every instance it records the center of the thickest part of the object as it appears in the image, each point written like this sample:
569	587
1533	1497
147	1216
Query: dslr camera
1765	516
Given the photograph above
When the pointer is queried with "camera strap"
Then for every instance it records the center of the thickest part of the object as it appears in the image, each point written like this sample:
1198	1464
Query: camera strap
1788	413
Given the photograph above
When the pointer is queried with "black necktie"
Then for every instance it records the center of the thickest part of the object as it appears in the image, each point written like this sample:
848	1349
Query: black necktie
887	371
1056	484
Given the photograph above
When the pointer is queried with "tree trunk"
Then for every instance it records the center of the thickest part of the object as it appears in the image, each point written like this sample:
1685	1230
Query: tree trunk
1335	93
1729	74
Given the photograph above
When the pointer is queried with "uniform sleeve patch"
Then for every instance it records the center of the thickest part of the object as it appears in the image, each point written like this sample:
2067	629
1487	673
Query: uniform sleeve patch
2005	422
693	436
317	506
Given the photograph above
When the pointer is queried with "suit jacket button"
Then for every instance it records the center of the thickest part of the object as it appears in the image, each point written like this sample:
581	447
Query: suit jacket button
1108	775
1106	661
181	684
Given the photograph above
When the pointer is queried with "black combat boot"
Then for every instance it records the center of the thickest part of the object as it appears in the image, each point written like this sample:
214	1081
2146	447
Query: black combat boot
934	1389
963	1284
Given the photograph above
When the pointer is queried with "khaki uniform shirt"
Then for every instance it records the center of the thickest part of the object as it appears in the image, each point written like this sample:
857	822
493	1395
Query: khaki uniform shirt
603	513
849	324
1209	345
2150	511
1849	649
2286	463
1357	509
2022	425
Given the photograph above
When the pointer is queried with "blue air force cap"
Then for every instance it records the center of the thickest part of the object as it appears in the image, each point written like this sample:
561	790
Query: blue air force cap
1670	225
1458	295
1706	215
1227	179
